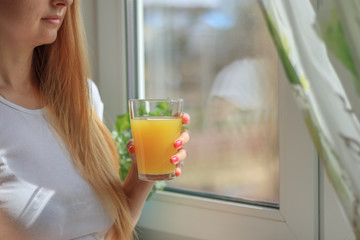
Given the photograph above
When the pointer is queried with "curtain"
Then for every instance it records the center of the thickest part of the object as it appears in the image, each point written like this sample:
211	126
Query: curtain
319	47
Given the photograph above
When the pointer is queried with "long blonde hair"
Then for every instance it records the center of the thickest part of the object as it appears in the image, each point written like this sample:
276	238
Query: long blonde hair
61	70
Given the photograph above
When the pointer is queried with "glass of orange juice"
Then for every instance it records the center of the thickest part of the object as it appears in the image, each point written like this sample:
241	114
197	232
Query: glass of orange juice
155	125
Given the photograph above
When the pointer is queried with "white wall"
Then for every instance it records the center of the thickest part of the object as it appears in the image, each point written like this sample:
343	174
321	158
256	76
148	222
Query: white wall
90	21
105	31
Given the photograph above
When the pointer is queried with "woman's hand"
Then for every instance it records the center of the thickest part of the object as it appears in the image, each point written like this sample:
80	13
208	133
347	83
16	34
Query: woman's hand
179	157
137	190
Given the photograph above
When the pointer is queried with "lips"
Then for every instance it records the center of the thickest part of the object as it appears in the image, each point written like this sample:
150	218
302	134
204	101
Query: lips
52	19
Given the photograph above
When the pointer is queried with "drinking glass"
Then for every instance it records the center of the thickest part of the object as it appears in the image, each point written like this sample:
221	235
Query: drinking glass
155	125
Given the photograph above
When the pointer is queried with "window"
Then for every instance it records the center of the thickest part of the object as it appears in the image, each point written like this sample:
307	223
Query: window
173	216
220	59
180	49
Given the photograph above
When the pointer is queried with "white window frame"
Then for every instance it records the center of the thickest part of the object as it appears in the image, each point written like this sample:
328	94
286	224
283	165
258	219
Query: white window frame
177	215
297	218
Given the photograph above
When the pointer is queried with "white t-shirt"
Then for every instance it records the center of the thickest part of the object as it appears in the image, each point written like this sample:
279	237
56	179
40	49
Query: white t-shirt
40	188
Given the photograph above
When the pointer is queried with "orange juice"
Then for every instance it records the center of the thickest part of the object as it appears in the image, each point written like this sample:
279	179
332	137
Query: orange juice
154	139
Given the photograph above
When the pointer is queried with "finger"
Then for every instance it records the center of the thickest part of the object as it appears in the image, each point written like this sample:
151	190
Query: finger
131	147
177	172
183	139
178	157
178	168
185	118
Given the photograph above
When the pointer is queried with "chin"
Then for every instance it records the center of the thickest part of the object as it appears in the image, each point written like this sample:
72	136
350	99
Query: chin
51	38
48	37
47	40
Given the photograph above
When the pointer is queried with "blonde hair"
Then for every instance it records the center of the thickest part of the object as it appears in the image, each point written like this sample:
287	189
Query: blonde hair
61	70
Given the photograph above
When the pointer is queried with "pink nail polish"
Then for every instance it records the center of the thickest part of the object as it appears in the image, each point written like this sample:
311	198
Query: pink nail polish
177	172
131	149
174	159
186	119
178	143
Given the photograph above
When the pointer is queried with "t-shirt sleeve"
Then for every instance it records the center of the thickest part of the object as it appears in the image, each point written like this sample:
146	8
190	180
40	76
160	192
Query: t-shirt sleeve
95	99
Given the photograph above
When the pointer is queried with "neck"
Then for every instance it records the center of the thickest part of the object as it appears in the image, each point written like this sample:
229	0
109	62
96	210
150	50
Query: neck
16	76
15	69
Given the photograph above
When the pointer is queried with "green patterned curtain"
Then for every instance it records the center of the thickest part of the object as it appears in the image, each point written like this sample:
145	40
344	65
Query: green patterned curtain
320	52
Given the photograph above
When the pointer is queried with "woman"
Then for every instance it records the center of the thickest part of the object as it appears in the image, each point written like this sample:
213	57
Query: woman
58	174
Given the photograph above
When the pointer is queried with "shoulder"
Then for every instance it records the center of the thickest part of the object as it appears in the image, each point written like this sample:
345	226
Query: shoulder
95	99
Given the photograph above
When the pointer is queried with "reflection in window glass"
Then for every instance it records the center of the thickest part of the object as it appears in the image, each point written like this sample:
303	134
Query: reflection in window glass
218	56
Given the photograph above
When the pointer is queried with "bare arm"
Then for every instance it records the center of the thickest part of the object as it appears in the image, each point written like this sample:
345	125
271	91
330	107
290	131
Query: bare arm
137	191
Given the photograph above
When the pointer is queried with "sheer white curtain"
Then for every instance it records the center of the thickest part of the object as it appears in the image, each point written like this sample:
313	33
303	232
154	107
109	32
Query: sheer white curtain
320	52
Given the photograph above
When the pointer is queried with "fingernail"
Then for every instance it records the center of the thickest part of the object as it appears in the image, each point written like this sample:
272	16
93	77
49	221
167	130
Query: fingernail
174	159
186	119
178	143
131	149
177	172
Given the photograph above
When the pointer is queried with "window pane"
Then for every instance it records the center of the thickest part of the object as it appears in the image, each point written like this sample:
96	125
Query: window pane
218	56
